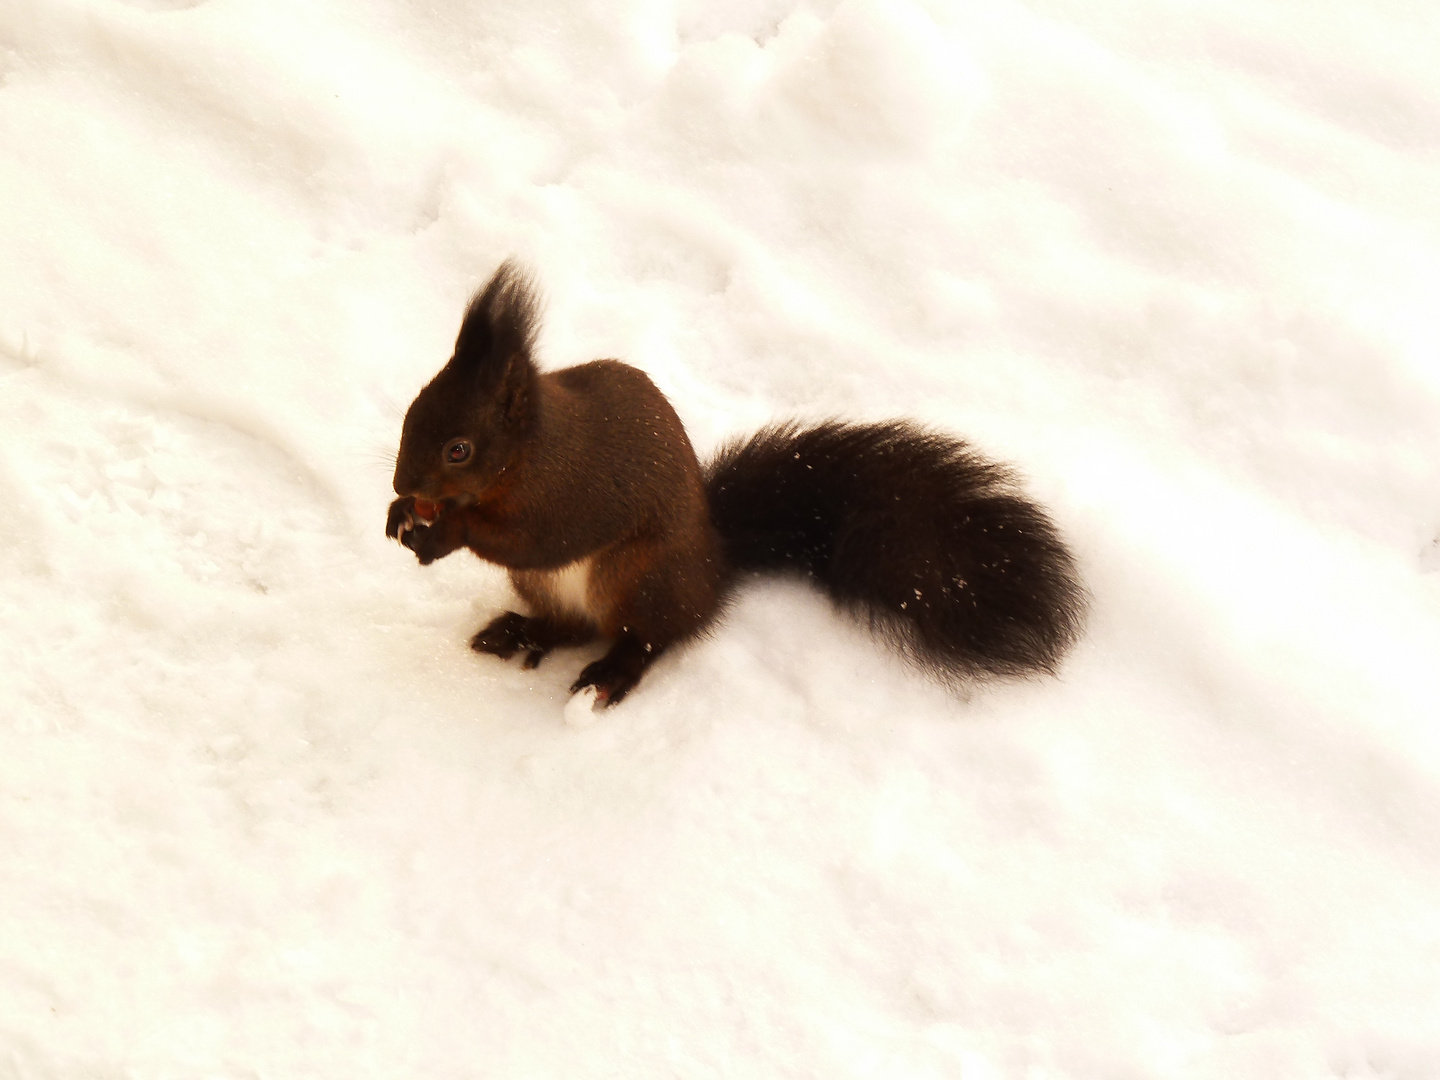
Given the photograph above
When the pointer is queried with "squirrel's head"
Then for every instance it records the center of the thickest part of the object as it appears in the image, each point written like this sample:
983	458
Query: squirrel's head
467	426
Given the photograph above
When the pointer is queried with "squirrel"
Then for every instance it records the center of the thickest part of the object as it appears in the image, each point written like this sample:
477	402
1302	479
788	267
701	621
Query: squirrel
582	483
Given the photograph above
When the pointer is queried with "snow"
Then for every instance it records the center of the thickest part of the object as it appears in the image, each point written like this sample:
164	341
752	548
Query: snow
263	813
580	710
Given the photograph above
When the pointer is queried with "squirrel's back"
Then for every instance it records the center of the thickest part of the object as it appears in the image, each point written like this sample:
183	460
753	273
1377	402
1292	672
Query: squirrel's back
609	457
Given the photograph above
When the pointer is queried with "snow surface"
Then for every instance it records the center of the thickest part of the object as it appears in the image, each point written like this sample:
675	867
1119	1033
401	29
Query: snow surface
264	814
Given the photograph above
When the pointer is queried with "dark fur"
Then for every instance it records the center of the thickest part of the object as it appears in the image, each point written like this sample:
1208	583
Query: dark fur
590	461
908	527
931	542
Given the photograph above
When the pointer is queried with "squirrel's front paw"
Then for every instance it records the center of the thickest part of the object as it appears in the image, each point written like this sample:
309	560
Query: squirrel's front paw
401	518
424	541
424	527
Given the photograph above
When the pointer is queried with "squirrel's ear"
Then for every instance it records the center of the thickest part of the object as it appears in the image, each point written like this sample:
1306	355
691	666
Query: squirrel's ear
499	326
516	389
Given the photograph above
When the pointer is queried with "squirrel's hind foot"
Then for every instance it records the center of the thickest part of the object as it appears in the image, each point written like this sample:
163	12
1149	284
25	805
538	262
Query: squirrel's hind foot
615	674
535	636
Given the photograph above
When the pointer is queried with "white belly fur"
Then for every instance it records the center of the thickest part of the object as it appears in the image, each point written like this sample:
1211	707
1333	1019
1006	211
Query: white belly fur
567	589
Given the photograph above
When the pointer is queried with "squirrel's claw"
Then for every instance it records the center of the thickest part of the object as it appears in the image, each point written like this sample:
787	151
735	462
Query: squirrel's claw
401	519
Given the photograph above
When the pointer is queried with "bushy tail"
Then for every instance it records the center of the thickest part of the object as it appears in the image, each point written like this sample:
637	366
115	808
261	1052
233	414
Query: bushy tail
936	545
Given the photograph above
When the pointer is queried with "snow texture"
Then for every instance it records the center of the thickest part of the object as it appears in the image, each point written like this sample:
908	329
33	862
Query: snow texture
263	813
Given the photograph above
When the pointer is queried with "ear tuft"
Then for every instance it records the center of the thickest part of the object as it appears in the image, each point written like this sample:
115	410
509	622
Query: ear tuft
500	323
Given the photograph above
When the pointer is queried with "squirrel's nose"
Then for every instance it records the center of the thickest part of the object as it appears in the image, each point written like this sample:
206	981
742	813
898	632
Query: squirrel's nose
404	485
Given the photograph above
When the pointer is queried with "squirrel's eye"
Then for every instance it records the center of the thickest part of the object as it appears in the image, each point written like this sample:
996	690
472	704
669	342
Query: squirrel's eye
457	451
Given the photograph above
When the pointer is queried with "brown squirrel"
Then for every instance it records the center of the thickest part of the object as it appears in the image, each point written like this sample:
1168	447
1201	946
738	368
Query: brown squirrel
583	484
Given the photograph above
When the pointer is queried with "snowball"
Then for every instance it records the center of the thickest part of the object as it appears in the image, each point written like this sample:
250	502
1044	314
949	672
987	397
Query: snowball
580	710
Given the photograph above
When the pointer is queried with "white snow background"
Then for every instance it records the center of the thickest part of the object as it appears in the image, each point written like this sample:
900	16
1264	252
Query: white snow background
264	814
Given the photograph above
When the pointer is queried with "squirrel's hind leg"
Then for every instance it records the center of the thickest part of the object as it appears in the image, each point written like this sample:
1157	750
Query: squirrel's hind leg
659	592
615	674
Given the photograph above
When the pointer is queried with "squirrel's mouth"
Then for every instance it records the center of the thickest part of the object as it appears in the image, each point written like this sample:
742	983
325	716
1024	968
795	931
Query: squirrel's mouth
425	511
